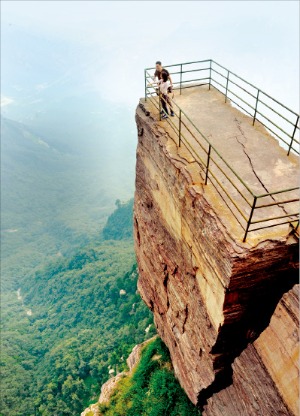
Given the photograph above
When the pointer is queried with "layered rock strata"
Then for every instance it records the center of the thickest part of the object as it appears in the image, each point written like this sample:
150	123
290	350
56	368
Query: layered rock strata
266	374
210	293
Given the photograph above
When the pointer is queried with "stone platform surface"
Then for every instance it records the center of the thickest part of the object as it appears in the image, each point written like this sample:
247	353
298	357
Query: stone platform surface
252	153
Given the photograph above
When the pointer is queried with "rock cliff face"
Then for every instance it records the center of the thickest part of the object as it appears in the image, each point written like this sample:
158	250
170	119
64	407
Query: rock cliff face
265	375
210	294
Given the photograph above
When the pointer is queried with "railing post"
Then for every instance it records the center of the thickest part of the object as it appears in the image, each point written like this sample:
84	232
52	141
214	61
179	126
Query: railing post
145	72
226	86
159	105
207	164
250	218
209	75
180	78
179	143
293	135
255	111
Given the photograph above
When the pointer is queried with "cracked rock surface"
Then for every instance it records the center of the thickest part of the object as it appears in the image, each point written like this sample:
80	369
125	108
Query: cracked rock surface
211	294
251	152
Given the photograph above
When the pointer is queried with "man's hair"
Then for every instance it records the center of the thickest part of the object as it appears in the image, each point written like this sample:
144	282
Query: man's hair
158	63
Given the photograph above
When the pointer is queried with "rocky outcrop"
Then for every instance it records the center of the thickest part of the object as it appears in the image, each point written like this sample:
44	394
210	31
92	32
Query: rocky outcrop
266	374
106	391
135	354
110	385
211	294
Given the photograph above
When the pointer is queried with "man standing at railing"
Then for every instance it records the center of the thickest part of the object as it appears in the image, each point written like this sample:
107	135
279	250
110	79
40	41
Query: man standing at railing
158	73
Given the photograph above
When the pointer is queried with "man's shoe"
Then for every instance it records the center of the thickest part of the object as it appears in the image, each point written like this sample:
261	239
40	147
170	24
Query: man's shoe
164	116
172	114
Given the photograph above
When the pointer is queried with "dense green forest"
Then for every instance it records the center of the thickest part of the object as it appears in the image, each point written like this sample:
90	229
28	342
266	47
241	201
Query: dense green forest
70	311
152	389
80	315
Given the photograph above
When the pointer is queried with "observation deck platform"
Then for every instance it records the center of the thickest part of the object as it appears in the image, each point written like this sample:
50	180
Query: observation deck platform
251	180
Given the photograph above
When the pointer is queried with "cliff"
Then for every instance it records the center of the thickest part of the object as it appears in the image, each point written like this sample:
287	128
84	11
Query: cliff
211	294
265	375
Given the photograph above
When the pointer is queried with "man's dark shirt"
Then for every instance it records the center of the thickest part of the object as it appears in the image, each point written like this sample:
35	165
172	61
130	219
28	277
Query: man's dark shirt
158	73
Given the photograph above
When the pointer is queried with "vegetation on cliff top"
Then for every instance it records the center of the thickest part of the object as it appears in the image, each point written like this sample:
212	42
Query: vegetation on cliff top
151	390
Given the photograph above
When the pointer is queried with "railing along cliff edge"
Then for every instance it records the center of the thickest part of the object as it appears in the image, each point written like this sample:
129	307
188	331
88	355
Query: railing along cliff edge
282	122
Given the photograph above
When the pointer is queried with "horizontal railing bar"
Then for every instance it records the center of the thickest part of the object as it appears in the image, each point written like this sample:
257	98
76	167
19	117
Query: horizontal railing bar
219	73
229	80
288	201
295	140
196	70
213	80
242	214
182	82
296	188
249	83
228	90
191	80
188	129
230	208
242	195
150	86
272	122
275	218
276	134
190	86
187	72
274	111
279	137
282	105
234	83
272	225
183	72
244	109
188	145
193	85
221	66
184	63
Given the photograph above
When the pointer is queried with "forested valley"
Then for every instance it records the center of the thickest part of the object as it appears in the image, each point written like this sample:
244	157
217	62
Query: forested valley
80	317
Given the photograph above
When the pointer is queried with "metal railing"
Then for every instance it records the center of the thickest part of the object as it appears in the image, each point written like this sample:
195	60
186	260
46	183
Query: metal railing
249	209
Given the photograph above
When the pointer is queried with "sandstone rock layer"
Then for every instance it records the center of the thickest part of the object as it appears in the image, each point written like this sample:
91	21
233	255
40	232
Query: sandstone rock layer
266	374
210	293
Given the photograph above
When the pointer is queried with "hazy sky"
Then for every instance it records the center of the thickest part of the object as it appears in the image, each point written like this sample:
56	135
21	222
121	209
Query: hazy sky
117	39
